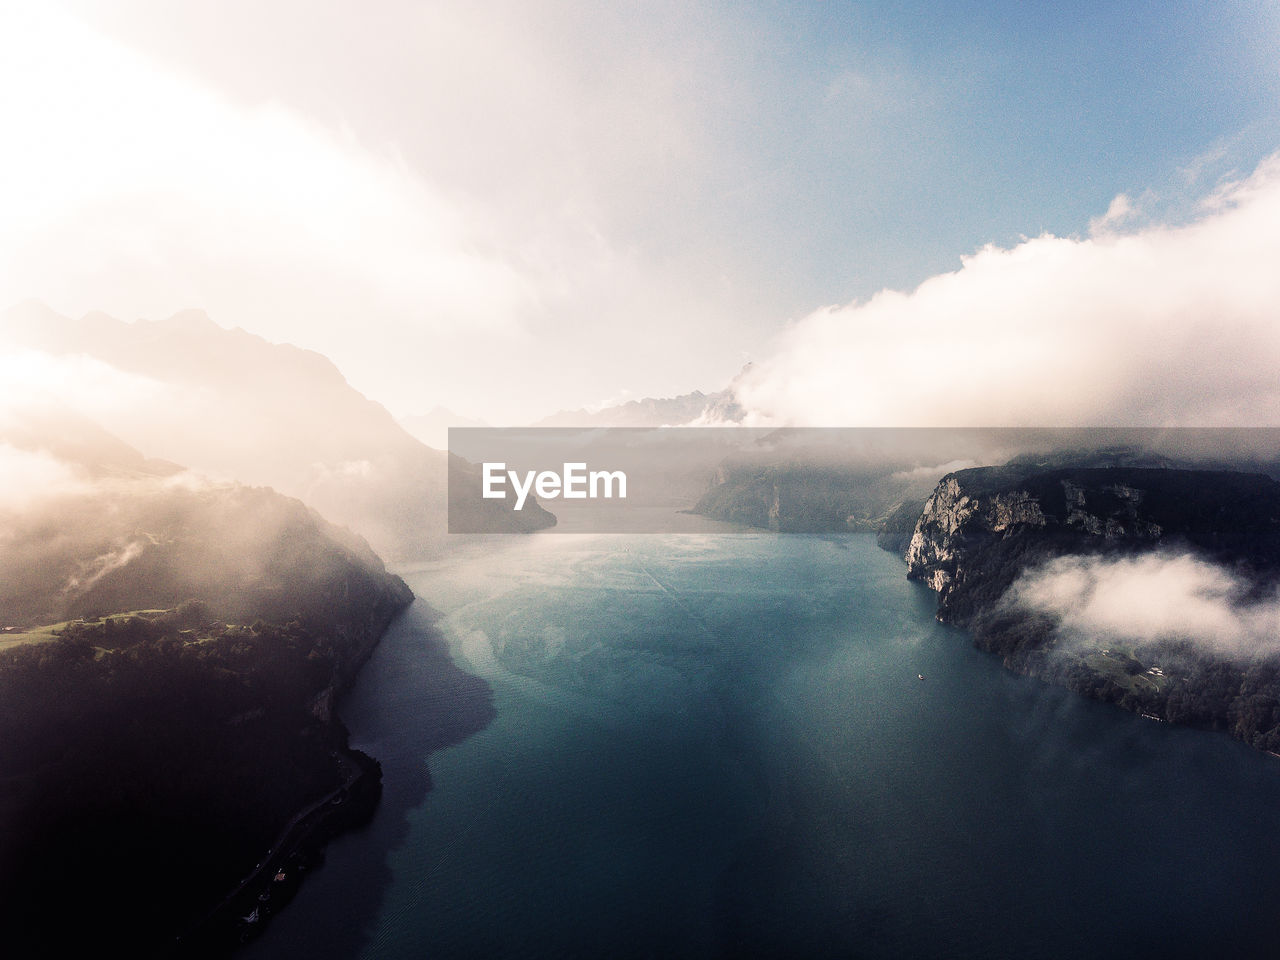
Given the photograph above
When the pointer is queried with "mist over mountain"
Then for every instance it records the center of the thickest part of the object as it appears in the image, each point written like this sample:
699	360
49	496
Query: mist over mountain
232	405
432	427
694	408
815	480
170	651
78	443
1155	588
116	531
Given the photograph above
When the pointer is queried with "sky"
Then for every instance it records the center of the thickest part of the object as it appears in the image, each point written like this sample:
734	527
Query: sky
509	208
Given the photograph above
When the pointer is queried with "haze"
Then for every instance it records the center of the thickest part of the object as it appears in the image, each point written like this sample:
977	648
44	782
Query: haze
509	209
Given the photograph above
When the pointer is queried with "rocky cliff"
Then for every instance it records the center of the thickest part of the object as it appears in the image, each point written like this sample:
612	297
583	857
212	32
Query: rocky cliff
982	526
1155	589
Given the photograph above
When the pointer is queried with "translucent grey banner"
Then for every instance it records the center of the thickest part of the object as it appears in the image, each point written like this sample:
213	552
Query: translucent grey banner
700	479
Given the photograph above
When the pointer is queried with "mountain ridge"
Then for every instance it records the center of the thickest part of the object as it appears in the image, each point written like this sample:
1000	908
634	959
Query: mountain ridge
1018	556
230	404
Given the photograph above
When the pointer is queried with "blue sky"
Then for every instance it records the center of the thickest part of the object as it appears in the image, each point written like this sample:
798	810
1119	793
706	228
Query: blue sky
903	135
509	208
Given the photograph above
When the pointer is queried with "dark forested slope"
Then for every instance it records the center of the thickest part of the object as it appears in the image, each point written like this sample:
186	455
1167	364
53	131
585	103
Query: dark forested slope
170	656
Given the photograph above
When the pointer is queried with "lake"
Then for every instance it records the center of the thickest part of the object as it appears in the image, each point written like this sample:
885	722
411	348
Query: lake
720	745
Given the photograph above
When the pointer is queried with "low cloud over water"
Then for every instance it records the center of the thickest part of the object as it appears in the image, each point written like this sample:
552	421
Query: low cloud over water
1155	596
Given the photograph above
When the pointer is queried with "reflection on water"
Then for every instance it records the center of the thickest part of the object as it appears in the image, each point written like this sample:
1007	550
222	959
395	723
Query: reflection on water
721	746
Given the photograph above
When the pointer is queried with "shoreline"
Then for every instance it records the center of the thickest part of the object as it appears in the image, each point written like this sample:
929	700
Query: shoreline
245	912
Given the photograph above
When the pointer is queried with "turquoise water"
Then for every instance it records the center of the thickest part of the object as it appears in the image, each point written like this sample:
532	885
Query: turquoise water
720	746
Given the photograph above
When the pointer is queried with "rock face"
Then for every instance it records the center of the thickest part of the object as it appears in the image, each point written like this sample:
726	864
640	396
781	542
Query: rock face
981	527
951	518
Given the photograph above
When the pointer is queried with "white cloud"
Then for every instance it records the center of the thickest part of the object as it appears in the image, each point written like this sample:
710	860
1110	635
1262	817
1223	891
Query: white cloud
1195	170
28	477
116	168
32	379
1154	596
1120	211
932	472
451	199
94	570
455	187
1162	326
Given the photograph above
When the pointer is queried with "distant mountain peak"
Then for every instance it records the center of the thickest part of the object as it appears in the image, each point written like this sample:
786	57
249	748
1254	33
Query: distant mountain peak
693	407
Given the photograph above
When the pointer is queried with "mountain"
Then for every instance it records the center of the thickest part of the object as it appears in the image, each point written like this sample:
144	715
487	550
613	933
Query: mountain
1146	587
831	480
145	544
230	404
982	525
799	497
432	428
170	653
718	407
77	442
816	480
